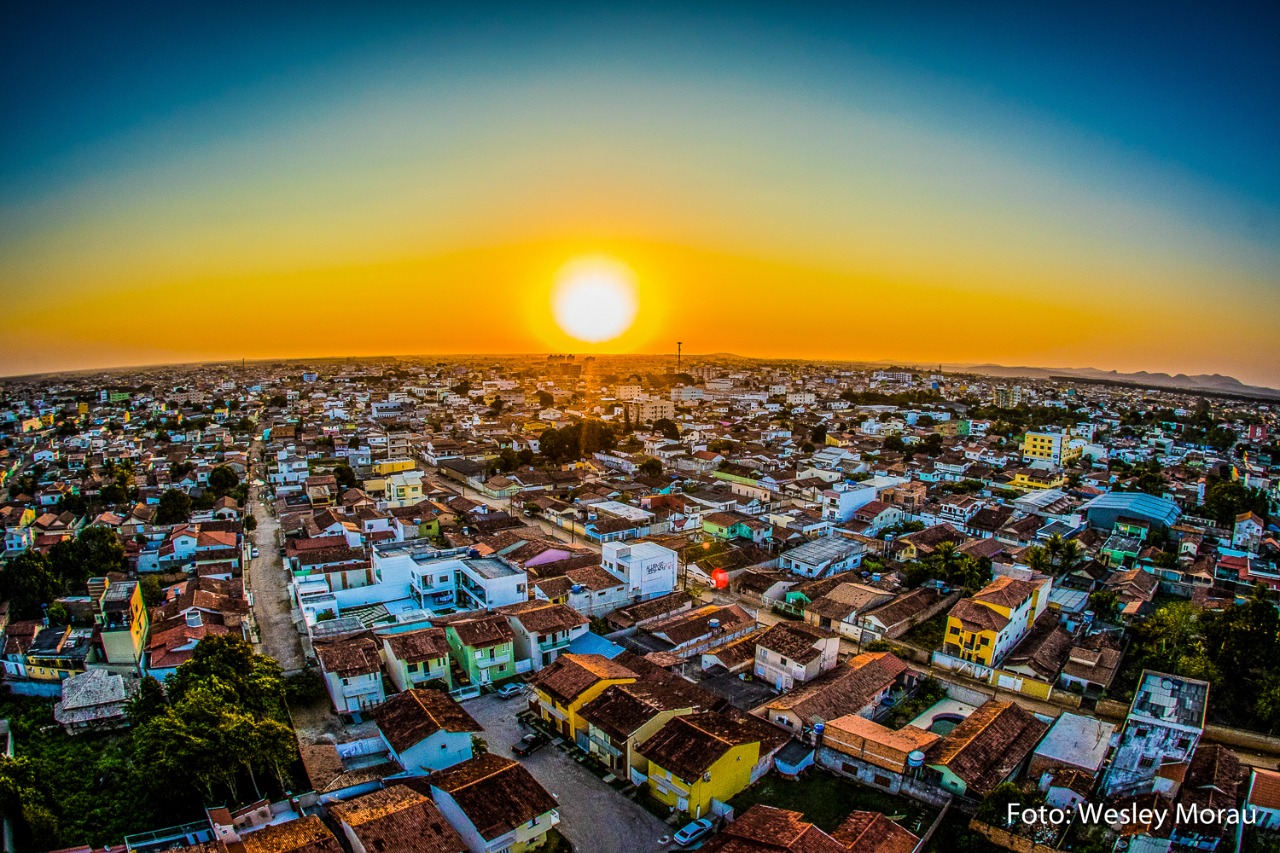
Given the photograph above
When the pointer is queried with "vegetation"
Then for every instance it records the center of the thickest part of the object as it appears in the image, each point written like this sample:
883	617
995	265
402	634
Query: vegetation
1236	650
577	441
174	508
826	800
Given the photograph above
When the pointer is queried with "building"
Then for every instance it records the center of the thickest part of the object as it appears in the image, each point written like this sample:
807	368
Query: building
697	758
1006	398
561	690
396	819
857	687
542	630
483	647
1052	447
794	651
494	804
426	730
352	673
94	700
647	568
986	627
765	829
1162	730
417	658
822	558
490	582
988	747
1074	742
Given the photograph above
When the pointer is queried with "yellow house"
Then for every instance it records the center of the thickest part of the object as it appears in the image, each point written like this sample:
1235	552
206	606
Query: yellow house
392	466
1048	447
403	489
697	758
123	622
984	628
570	682
1028	479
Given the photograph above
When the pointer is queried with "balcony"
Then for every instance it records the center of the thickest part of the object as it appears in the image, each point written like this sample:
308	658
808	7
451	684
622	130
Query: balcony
484	662
554	645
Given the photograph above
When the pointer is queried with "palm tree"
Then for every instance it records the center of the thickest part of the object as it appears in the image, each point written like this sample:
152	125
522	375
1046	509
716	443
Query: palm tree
1038	560
1069	557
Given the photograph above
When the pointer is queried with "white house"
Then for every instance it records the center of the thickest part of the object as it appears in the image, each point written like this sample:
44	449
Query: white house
494	804
426	730
648	569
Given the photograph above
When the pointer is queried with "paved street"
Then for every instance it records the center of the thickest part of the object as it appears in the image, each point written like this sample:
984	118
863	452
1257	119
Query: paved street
268	581
545	526
593	816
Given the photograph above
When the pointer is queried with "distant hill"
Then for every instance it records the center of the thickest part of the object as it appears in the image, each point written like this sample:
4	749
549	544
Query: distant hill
1207	383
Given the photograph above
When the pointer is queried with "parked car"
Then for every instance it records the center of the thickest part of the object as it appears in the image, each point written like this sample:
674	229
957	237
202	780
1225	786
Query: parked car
529	744
694	832
510	690
256	552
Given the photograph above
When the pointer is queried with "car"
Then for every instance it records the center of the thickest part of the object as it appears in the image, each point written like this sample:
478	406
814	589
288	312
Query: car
256	552
529	744
692	833
510	689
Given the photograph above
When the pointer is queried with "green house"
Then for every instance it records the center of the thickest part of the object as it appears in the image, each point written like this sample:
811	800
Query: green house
483	648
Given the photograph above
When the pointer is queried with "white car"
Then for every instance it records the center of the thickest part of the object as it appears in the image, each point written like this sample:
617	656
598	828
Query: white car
255	551
691	833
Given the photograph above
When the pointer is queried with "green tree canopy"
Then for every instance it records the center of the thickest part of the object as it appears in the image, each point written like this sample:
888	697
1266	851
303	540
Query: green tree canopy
175	507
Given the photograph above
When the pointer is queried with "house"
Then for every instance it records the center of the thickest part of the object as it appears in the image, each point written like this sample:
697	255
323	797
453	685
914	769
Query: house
823	557
647	568
736	525
425	730
1247	532
396	819
1092	665
1212	786
304	835
1073	742
984	628
58	653
765	829
870	752
417	658
893	619
494	804
561	689
841	607
1161	731
696	631
483	648
872	832
542	630
94	700
1262	798
352	673
624	715
988	747
697	758
857	687
794	651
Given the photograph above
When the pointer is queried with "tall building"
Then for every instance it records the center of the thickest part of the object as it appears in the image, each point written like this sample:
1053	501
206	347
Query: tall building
1006	398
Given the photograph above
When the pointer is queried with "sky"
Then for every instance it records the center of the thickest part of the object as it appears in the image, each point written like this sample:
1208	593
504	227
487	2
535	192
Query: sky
1047	184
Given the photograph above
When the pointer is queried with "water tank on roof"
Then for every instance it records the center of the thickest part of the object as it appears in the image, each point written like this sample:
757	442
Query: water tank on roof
714	624
577	588
473	553
194	619
915	758
875	577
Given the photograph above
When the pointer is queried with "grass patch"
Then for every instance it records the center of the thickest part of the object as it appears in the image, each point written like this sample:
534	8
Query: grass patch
929	634
93	791
826	800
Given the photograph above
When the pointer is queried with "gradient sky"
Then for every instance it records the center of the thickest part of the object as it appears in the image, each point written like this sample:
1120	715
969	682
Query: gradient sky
1076	184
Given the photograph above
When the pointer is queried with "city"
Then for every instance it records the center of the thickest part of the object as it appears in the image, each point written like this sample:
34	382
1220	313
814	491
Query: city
624	427
634	603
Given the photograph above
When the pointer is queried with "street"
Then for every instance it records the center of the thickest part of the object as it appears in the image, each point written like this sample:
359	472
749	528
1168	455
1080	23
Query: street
593	816
268	582
542	524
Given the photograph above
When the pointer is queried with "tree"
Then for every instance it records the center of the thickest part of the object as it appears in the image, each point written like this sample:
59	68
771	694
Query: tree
651	468
222	480
932	444
94	553
175	507
74	504
147	704
1224	500
250	522
28	582
818	435
152	593
545	400
345	475
668	428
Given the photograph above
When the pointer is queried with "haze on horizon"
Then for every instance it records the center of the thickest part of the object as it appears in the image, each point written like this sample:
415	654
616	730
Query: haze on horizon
1023	184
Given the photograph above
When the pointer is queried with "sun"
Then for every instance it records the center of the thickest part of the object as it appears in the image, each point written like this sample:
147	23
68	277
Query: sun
595	299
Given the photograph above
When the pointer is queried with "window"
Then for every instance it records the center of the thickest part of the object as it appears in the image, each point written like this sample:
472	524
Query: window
1146	761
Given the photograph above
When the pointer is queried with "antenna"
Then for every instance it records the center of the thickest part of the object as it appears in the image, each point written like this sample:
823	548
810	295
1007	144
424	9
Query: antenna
679	344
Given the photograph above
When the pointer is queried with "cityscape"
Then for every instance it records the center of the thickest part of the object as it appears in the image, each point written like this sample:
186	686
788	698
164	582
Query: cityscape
755	429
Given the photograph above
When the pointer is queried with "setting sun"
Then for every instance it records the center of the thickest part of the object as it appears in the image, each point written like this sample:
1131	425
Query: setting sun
594	299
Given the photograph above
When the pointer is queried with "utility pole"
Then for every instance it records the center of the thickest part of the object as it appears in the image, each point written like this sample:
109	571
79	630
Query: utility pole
679	344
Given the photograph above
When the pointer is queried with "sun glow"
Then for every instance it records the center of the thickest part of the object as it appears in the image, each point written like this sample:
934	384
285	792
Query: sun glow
595	299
